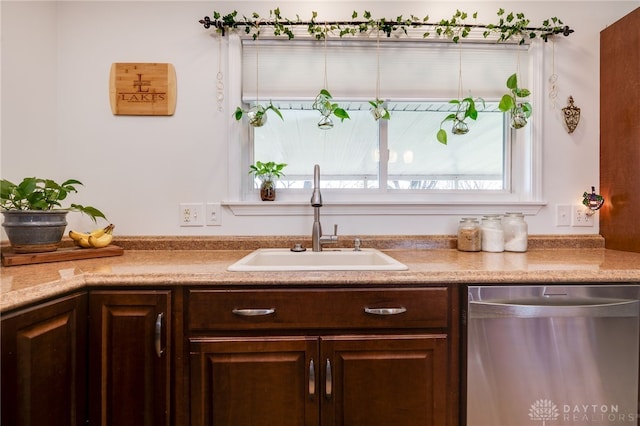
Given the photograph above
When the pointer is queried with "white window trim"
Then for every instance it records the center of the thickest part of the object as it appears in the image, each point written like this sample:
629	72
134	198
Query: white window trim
526	195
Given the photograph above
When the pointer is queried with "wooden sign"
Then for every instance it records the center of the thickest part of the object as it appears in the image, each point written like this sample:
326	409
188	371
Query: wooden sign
142	89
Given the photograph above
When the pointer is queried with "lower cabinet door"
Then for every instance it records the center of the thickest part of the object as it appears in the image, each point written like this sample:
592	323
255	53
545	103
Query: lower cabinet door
385	380
129	358
255	381
43	364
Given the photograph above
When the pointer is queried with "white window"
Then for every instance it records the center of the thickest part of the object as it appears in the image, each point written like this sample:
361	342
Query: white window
387	162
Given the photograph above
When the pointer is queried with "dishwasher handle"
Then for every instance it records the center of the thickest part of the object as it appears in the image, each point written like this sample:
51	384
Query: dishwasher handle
539	309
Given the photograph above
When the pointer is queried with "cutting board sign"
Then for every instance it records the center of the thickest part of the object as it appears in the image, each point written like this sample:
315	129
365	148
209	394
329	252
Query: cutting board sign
142	89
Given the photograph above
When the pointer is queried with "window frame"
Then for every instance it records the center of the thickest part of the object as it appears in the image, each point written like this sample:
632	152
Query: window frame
525	194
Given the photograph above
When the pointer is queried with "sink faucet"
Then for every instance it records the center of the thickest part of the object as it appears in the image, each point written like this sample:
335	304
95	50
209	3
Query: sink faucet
317	239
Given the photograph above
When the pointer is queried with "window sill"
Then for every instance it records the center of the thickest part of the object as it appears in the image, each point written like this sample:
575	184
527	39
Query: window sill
286	208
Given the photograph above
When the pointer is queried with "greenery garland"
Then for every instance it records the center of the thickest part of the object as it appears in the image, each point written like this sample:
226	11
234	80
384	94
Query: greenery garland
509	26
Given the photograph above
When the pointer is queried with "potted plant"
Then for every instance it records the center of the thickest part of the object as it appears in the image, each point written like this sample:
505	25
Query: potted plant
465	108
257	114
378	110
323	103
34	219
267	173
519	110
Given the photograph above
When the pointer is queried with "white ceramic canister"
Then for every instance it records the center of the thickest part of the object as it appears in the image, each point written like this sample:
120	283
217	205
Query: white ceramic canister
492	234
515	232
469	234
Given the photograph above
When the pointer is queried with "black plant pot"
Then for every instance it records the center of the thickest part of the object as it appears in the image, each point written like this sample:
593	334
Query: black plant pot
34	231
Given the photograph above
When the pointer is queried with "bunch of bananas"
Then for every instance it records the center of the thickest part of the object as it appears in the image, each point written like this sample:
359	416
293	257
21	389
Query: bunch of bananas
97	238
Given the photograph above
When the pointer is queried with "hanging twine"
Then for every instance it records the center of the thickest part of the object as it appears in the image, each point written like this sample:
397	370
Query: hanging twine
553	79
326	85
460	73
257	73
220	77
378	65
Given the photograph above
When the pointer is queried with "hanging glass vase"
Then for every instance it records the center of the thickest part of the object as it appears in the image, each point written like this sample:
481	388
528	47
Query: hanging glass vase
459	125
322	104
518	116
257	116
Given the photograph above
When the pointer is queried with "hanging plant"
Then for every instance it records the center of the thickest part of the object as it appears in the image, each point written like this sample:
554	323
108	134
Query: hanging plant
519	110
323	103
379	111
465	108
257	114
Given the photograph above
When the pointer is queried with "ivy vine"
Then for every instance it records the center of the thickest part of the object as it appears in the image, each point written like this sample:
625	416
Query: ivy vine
508	26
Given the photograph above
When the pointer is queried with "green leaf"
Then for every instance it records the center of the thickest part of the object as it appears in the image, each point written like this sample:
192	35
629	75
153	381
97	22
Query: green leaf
512	82
326	93
449	117
522	93
92	212
341	113
506	103
442	136
238	113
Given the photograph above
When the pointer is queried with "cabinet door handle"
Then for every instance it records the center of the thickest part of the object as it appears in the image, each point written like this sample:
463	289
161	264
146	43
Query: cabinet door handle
312	378
328	380
158	335
385	311
253	312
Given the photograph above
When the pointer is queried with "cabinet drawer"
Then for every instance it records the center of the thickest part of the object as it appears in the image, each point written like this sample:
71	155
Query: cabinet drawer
212	310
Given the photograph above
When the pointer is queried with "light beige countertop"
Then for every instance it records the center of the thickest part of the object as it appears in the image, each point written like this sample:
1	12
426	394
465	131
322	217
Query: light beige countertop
168	266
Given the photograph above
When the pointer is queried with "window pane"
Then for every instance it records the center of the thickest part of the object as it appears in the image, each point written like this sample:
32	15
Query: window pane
349	153
346	153
474	161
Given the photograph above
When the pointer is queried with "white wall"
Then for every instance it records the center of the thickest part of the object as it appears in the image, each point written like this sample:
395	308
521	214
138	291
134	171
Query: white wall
56	119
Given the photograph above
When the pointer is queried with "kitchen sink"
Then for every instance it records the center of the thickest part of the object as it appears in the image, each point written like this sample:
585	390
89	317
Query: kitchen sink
282	259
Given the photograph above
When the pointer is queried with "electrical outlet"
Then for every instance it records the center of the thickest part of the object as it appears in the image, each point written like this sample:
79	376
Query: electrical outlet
191	214
214	214
563	215
580	217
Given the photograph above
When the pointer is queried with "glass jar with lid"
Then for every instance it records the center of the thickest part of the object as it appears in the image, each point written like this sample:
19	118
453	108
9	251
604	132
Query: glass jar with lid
515	232
492	234
469	235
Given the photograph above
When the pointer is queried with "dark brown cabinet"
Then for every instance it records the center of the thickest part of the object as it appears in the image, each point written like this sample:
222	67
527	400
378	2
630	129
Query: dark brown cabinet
130	358
44	364
322	357
254	381
620	133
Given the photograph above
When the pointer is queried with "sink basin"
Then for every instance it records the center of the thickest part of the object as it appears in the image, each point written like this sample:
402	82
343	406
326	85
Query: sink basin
282	259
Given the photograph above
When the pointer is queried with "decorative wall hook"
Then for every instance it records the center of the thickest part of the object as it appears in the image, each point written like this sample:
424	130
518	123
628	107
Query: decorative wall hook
592	201
571	115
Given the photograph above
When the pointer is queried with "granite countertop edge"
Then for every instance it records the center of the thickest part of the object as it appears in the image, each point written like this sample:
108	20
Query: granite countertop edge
582	260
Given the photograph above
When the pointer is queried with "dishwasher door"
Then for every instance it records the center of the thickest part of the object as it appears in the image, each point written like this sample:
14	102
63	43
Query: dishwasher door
553	356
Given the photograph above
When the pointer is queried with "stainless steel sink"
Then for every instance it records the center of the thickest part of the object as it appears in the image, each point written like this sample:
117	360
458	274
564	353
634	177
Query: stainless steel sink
281	259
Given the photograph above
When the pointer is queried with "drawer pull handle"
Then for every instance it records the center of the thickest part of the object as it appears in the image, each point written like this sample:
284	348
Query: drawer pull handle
253	312
158	335
312	378
385	311
328	383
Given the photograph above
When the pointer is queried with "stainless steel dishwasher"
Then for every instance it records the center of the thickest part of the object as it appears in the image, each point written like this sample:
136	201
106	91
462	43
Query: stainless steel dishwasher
552	355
